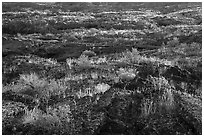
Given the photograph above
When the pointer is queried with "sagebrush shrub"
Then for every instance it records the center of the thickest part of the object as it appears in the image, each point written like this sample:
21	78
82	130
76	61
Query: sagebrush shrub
31	116
38	86
40	89
33	80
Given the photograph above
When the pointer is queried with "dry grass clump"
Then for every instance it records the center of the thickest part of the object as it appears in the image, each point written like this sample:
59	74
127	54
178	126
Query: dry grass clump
85	92
160	97
164	90
70	62
56	118
147	107
83	62
92	90
31	116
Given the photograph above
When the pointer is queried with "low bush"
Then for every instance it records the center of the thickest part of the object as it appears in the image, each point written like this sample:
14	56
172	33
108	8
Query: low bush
55	121
40	89
84	63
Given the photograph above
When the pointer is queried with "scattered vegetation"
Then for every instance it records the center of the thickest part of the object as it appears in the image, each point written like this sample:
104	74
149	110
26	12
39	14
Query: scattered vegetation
133	73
